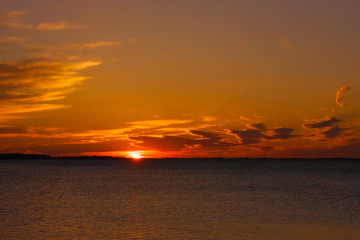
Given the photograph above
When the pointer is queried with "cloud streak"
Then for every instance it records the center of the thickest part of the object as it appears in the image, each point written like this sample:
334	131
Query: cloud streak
93	45
13	20
340	95
29	85
209	141
257	133
53	26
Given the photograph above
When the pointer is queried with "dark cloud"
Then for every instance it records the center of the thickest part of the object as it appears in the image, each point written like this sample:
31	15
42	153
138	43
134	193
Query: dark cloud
249	136
334	132
283	133
206	135
211	140
7	130
328	128
258	126
323	123
255	134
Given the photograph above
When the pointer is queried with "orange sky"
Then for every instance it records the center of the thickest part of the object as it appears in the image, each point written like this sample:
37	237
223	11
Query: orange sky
180	78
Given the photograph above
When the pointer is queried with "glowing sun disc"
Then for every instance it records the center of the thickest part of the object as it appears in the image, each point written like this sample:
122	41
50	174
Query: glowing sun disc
135	155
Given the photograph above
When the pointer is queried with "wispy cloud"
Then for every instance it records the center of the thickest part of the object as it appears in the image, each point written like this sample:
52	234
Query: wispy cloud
7	40
53	26
9	43
340	95
10	130
93	45
13	20
82	46
29	85
71	47
207	141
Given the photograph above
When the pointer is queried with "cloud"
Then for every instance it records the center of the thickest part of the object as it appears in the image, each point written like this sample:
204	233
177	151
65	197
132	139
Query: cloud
211	140
208	136
7	40
255	134
177	143
283	133
61	25
340	95
334	131
257	126
10	129
329	128
13	20
9	43
61	146
29	85
165	143
249	136
159	123
56	49
82	46
328	122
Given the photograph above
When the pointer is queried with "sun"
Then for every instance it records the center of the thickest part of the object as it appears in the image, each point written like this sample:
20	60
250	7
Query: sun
135	155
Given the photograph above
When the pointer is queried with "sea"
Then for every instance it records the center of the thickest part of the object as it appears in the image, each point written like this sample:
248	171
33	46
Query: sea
180	199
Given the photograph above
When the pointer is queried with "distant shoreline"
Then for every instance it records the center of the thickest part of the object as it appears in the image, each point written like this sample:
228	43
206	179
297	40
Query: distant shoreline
21	156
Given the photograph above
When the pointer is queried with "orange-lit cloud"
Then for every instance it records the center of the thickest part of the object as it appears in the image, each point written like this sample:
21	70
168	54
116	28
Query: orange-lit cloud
7	40
327	128
13	19
28	85
340	95
322	123
177	143
56	49
61	25
83	46
175	96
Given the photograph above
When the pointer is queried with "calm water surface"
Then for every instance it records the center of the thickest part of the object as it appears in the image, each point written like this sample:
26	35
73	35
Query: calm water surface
180	199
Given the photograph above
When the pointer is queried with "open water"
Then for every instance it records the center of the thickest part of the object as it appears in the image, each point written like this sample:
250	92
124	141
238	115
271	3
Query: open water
180	199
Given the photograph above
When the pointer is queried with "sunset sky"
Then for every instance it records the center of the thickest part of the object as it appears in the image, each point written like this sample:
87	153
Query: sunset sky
172	78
